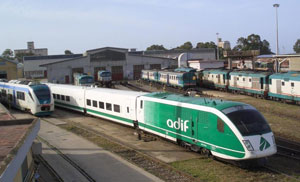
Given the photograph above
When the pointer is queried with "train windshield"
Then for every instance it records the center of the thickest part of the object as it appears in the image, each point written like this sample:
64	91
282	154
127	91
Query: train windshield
86	80
106	74
249	122
42	92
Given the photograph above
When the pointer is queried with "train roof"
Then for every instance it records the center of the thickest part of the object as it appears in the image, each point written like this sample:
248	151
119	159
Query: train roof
251	73
95	89
216	71
202	101
292	75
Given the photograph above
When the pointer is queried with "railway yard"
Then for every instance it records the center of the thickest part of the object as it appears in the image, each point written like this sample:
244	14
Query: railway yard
163	159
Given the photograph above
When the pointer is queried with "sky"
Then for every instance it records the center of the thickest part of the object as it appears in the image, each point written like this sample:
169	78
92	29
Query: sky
80	25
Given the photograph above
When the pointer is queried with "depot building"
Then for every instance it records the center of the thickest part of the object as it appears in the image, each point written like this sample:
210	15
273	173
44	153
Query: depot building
122	63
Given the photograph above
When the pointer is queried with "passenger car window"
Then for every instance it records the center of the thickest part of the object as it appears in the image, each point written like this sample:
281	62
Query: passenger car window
88	102
116	108
58	96
101	105
67	98
95	103
108	106
54	96
62	97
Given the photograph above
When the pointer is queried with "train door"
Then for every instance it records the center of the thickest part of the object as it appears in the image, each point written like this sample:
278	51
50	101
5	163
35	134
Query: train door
278	86
139	105
292	90
235	81
194	126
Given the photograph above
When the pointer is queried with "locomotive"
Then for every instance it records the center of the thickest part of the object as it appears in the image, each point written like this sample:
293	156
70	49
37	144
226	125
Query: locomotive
28	96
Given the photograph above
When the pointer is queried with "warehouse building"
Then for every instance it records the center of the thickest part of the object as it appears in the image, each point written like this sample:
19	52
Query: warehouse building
201	53
123	64
32	64
10	69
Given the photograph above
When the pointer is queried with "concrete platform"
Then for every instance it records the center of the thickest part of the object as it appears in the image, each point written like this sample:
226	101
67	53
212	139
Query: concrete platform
98	163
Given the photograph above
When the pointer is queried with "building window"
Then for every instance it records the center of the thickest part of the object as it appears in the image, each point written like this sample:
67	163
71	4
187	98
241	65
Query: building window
20	95
88	102
101	105
116	108
108	106
68	98
95	103
62	97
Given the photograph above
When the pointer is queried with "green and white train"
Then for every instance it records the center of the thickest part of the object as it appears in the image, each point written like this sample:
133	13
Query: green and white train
225	129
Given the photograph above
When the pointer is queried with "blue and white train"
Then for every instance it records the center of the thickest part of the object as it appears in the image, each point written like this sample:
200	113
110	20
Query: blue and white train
28	96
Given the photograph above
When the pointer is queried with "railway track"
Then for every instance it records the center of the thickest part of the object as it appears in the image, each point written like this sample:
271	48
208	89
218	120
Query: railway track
130	153
288	148
66	158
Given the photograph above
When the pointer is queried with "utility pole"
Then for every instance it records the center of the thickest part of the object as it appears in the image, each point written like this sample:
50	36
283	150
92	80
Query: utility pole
217	46
277	46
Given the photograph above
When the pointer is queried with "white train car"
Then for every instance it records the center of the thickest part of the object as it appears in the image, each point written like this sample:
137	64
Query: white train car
112	104
35	98
285	86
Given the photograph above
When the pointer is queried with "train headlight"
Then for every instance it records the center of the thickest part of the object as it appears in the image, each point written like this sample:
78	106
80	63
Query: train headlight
248	145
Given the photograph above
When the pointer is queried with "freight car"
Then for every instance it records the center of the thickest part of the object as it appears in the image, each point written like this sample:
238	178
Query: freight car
228	130
28	96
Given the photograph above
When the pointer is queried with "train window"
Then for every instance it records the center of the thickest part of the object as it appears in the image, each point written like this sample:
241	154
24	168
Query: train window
212	76
54	96
237	78
244	79
101	105
95	103
249	79
270	81
20	95
62	97
116	108
141	106
127	109
3	93
88	102
292	84
108	106
282	83
58	96
68	98
220	125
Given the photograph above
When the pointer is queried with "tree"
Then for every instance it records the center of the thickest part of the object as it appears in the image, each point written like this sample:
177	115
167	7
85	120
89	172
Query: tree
156	47
297	46
20	56
68	52
253	42
186	46
8	54
206	45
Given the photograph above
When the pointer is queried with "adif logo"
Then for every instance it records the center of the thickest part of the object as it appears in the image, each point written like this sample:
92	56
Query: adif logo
264	144
178	125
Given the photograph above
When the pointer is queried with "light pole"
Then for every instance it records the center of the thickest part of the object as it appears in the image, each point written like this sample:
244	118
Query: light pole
217	46
277	46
